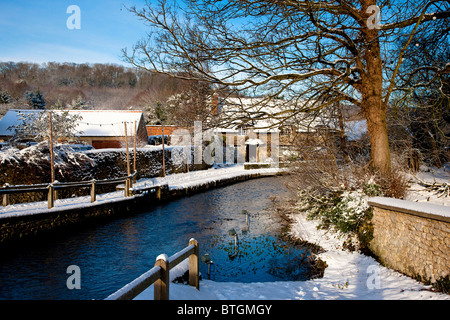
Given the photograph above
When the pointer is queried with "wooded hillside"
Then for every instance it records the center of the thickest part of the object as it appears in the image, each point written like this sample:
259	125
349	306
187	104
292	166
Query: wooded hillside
82	86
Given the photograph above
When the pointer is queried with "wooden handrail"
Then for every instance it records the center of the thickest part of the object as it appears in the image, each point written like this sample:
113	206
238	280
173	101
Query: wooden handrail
44	186
134	288
159	275
7	189
180	256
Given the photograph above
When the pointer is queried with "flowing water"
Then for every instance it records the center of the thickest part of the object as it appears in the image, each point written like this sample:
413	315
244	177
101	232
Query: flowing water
243	247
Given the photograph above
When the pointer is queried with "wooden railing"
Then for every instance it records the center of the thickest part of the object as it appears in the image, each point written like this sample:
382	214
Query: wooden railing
51	188
159	275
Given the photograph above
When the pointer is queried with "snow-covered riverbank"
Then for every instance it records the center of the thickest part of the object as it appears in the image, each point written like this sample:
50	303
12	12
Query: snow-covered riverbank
349	275
174	182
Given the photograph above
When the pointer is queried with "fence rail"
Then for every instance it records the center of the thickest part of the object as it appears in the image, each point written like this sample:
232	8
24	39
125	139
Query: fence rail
159	275
51	188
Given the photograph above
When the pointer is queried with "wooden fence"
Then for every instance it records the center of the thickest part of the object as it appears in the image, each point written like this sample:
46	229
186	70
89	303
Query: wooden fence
159	275
51	188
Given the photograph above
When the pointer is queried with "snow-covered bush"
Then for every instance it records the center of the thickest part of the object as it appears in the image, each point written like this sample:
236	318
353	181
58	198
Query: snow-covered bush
344	211
34	163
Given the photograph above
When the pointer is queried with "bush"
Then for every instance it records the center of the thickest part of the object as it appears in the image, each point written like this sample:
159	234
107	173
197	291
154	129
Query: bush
372	189
394	185
346	212
337	193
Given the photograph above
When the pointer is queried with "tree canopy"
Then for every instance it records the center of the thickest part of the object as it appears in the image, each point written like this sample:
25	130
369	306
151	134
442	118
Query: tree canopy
313	53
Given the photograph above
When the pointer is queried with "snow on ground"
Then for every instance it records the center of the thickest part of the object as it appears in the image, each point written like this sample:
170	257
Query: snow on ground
418	193
64	204
349	275
194	178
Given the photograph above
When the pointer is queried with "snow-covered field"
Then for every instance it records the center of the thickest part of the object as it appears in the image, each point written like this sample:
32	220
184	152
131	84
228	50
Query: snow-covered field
419	193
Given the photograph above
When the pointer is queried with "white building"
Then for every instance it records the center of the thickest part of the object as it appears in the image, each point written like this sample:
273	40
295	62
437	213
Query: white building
99	128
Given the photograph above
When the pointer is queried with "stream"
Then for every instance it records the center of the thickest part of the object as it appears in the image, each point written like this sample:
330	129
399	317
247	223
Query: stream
234	226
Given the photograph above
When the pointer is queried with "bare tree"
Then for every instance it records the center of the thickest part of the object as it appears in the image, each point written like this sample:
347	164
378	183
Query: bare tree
422	93
196	103
303	50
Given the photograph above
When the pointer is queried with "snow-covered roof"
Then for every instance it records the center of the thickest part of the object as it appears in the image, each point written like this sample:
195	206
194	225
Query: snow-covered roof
10	119
251	112
93	123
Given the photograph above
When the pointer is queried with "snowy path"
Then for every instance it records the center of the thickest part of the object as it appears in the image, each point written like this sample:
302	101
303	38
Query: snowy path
193	178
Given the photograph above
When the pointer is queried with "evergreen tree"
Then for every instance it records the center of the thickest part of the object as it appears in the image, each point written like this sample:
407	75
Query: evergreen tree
5	97
35	99
78	104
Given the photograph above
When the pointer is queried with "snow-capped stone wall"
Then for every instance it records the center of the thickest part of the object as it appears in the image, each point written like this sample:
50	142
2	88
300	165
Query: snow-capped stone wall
411	237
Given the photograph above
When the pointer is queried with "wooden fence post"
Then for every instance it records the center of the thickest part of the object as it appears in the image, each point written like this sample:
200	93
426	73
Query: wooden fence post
130	185
163	152
126	188
5	199
161	286
6	196
158	193
55	196
194	266
51	196
93	195
134	155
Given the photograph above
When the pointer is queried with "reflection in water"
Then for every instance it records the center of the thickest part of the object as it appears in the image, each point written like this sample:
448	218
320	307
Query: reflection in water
115	253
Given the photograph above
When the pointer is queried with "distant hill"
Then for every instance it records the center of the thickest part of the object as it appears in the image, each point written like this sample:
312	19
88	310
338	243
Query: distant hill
86	86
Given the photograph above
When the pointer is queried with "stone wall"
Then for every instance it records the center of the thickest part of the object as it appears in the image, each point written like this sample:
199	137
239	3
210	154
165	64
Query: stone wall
33	167
411	237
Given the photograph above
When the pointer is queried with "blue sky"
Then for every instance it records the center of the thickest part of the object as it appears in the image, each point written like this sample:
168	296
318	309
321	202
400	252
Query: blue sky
36	31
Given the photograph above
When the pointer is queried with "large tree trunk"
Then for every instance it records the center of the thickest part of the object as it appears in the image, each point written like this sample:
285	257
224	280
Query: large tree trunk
373	105
379	144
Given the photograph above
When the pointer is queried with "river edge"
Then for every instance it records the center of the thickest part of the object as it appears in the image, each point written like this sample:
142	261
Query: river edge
24	222
349	275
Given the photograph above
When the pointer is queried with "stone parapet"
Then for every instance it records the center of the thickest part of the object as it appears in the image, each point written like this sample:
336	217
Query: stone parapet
411	237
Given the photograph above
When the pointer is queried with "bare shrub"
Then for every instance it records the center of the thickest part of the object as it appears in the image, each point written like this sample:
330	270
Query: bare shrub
321	171
395	184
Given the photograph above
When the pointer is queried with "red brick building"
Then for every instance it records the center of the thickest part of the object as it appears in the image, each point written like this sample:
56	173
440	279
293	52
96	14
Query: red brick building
156	130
